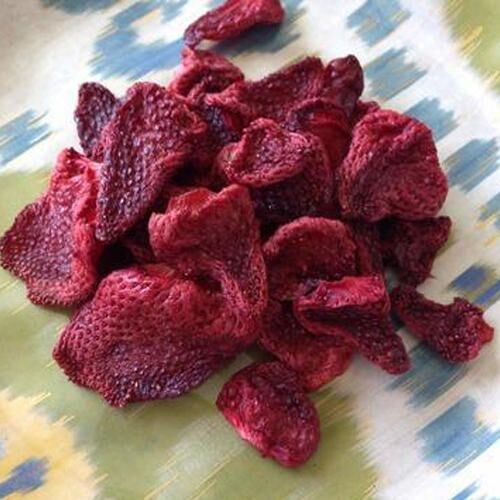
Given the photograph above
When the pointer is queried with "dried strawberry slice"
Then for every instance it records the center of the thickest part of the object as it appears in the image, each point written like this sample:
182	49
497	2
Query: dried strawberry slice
323	118
305	251
317	359
230	111
95	108
392	169
150	135
224	125
344	82
149	334
136	240
202	228
232	18
356	309
301	195
203	72
276	94
267	154
457	331
411	246
368	248
268	408
288	174
51	245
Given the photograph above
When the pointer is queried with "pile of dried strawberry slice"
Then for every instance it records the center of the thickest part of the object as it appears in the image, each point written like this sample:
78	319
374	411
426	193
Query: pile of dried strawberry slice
216	213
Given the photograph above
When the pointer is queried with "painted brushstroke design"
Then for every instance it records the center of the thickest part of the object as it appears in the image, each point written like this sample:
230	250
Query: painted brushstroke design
479	283
118	51
376	19
472	163
429	378
456	437
490	211
20	134
431	112
78	6
390	73
466	493
26	477
40	454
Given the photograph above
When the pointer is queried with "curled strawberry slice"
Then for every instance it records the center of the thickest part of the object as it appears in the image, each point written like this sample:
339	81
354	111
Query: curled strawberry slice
232	18
317	359
457	331
149	137
150	334
305	251
51	244
391	170
267	406
356	309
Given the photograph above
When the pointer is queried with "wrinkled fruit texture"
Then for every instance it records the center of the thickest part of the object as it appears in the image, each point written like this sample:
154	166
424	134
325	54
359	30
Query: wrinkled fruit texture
215	233
323	118
216	212
232	18
266	155
368	248
297	96
276	94
95	108
317	359
362	109
288	174
392	169
267	406
224	125
457	331
149	137
411	246
344	83
148	334
307	250
203	72
51	244
356	309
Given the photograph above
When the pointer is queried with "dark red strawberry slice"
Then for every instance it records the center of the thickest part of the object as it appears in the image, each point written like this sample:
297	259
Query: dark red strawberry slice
305	251
457	331
149	334
150	136
276	94
344	82
232	18
95	108
356	309
52	244
392	169
204	230
368	248
323	118
411	246
288	174
317	359
203	72
267	406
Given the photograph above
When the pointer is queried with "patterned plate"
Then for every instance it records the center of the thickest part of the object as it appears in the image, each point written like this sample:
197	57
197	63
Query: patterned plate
432	433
